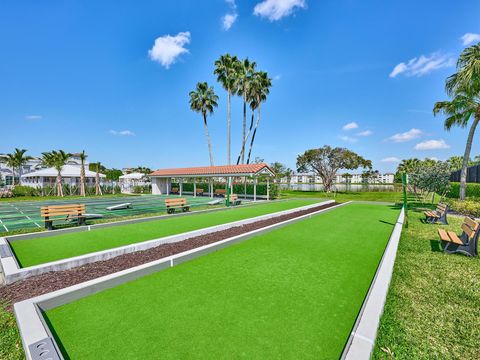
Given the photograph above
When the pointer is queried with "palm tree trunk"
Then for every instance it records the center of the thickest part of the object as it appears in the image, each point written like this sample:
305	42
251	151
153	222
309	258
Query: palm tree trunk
466	156
82	180
254	133
244	125
228	128
98	189
241	156
208	139
59	184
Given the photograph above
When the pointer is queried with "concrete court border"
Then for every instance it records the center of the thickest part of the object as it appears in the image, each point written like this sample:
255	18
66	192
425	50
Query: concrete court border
28	313
13	272
364	333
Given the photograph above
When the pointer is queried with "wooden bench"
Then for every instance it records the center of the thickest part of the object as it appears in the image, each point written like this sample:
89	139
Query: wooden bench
234	200
220	192
175	190
173	204
63	212
466	243
199	191
439	215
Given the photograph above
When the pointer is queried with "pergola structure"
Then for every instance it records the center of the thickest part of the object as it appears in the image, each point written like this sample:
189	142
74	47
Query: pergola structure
161	179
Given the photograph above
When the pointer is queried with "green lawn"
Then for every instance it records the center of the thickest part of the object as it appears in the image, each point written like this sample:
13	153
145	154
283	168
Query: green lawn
383	196
293	293
41	250
433	305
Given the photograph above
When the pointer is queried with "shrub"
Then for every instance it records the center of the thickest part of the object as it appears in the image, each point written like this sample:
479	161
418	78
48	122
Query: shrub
238	188
473	190
468	207
21	190
145	189
6	193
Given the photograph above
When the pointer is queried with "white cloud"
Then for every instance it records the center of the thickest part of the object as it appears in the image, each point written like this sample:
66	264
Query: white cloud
276	9
228	20
432	158
350	126
33	117
423	65
348	139
365	133
122	133
391	159
470	38
231	3
406	136
167	48
432	145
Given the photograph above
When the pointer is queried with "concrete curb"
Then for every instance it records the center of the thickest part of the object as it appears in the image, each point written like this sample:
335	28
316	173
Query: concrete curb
362	339
29	312
13	272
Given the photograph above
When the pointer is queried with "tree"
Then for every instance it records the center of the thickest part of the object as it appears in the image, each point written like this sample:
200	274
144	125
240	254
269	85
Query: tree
369	175
113	174
456	162
82	157
245	73
259	89
226	69
56	159
142	169
204	100
280	171
464	89
98	166
326	162
431	179
16	160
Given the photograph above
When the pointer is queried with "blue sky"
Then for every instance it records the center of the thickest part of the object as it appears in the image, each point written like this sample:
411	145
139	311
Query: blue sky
79	75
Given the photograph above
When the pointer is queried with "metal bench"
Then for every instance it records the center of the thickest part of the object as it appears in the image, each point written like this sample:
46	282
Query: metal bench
220	192
63	212
466	243
234	200
439	215
173	204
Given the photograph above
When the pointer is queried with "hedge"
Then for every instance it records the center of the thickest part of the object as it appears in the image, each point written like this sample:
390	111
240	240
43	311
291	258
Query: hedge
473	190
237	188
469	207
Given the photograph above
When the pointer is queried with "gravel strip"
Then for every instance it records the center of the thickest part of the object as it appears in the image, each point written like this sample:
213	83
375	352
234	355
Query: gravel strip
52	281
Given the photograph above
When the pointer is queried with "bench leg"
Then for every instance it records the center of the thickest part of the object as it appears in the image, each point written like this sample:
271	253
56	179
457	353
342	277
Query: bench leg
81	221
186	208
443	219
48	225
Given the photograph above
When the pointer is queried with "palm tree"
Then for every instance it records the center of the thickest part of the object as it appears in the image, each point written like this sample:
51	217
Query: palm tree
98	189
56	159
245	74
82	157
16	160
464	106
203	100
226	69
259	89
464	88
408	165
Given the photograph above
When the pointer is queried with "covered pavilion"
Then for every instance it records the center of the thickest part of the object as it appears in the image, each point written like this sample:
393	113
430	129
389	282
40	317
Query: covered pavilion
161	179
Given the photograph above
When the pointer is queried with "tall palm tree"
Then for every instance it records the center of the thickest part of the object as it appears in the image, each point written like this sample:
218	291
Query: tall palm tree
244	77
464	88
98	188
226	69
82	157
259	89
56	159
204	100
408	165
16	160
464	106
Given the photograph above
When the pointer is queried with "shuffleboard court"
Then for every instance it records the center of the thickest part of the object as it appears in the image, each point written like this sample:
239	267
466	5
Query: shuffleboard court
19	215
293	293
36	251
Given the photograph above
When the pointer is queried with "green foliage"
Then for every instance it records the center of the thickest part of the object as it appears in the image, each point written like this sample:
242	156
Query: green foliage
434	179
21	190
473	190
142	189
468	207
113	174
238	188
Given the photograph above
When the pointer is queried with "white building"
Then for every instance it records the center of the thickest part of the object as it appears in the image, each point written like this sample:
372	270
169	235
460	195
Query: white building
48	176
309	178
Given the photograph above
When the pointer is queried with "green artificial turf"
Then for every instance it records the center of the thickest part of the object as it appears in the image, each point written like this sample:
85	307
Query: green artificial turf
293	293
36	251
343	196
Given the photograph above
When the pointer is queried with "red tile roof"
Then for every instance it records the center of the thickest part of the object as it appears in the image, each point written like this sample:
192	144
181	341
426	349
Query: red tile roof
213	170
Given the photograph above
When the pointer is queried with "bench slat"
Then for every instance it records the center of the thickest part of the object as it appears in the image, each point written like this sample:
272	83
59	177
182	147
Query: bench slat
63	206
473	224
468	230
443	235
454	238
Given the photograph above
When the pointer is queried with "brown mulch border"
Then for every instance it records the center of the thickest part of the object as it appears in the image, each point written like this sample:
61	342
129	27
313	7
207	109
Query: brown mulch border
52	281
